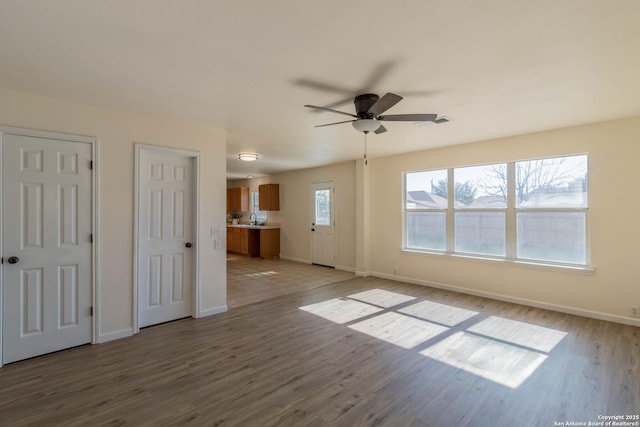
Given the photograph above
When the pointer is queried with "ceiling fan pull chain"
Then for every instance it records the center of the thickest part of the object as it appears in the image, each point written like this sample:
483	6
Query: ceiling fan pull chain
365	148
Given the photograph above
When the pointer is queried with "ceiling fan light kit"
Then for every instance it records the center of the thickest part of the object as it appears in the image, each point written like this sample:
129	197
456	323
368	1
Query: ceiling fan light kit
366	125
369	108
248	157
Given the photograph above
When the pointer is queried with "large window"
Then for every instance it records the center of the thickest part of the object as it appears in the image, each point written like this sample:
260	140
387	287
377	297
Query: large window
533	210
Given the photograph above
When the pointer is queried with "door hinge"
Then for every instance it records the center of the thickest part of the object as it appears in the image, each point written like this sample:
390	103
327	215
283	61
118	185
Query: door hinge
91	311
2	260
91	238
91	164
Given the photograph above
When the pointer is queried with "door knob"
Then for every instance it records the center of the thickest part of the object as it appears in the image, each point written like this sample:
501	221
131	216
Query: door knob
13	260
313	229
188	244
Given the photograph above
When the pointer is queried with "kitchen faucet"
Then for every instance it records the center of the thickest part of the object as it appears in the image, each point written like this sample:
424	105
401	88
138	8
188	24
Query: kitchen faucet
253	218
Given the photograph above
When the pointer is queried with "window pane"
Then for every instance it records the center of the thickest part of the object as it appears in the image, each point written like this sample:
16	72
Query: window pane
255	207
560	182
557	236
426	230
323	207
426	190
480	233
481	187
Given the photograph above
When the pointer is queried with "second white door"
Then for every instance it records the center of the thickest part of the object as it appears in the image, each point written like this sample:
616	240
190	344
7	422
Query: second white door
323	224
165	233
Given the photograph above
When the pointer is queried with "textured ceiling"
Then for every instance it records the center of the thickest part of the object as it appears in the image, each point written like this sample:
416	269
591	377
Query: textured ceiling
496	68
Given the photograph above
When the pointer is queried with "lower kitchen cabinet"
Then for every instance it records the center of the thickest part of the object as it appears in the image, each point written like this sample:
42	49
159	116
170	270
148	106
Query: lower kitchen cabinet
255	242
237	240
269	243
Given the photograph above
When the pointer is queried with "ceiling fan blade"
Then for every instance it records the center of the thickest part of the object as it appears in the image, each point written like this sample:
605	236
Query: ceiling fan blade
377	74
409	118
343	101
419	92
381	129
321	86
384	103
332	110
336	123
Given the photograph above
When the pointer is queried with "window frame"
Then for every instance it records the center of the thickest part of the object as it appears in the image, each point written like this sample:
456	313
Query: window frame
511	217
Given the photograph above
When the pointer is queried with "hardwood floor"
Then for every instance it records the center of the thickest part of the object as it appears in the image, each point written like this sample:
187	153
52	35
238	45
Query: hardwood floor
250	280
362	352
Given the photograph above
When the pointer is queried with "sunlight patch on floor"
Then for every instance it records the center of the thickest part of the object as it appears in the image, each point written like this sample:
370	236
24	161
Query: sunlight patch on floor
262	273
403	331
381	297
497	349
524	334
497	361
439	313
341	310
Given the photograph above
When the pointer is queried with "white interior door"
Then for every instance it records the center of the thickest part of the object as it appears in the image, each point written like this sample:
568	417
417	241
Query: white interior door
323	224
165	216
46	242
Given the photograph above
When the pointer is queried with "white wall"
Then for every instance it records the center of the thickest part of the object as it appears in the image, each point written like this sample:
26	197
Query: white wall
614	149
117	132
295	211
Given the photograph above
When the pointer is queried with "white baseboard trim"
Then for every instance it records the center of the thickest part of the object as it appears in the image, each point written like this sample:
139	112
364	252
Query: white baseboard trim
308	261
365	274
115	335
516	300
288	258
213	310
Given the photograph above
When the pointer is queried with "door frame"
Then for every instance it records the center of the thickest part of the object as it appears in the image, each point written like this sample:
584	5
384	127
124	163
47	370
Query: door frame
95	208
195	266
312	207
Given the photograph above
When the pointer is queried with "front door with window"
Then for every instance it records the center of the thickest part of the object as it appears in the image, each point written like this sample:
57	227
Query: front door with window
323	223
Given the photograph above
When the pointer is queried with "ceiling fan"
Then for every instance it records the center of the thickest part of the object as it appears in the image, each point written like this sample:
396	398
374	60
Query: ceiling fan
369	108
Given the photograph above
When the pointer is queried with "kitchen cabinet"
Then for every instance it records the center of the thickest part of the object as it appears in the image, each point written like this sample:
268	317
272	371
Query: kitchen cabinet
241	241
244	241
233	239
238	199
254	241
269	243
269	197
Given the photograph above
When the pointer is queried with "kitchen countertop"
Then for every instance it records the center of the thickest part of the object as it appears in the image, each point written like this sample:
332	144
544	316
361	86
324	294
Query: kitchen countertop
254	227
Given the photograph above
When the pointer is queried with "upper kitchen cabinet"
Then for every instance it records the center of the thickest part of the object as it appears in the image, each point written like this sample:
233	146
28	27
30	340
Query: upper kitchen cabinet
269	197
238	199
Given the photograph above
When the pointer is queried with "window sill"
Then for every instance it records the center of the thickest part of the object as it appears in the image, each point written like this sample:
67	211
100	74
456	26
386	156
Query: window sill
539	265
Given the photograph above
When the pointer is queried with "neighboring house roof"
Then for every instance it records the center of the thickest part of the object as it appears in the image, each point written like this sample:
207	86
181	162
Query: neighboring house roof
489	202
425	200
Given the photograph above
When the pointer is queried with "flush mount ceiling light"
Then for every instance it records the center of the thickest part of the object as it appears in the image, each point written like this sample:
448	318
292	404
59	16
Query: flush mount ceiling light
248	157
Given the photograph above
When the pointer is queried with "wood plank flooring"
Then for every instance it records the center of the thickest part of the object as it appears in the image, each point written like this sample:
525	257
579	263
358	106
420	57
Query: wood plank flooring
251	280
477	363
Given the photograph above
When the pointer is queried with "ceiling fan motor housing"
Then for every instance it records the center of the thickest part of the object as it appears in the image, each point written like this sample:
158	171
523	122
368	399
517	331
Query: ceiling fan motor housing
363	103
